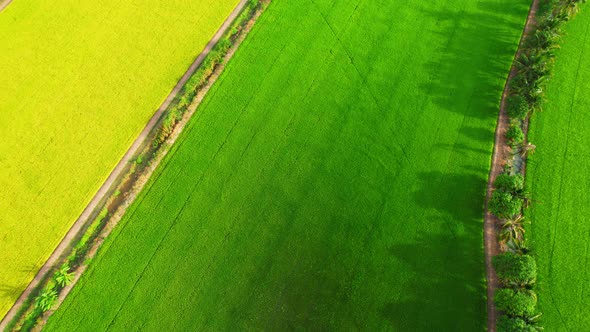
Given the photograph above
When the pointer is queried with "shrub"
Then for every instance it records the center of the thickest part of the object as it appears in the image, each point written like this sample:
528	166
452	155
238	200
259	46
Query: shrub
518	108
530	88
46	299
168	125
519	84
509	183
514	135
223	45
516	269
504	205
551	24
184	102
569	8
514	324
63	276
519	247
519	303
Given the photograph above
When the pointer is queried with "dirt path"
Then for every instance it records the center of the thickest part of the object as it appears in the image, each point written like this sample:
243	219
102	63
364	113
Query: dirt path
4	4
502	153
112	182
147	173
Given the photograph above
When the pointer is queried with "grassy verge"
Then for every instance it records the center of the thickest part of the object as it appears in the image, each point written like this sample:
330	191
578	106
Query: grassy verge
516	266
558	180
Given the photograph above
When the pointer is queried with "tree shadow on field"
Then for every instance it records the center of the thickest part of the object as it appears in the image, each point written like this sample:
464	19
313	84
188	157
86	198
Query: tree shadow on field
458	196
448	290
477	51
11	291
478	137
31	268
460	148
476	134
444	293
468	75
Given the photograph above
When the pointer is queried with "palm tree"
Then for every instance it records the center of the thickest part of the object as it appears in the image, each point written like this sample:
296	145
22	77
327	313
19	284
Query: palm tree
46	300
533	66
533	322
552	25
521	193
571	7
530	87
63	277
535	97
512	231
518	246
526	149
543	41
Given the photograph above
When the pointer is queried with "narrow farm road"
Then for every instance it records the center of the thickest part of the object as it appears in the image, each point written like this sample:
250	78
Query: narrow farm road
118	172
4	4
501	154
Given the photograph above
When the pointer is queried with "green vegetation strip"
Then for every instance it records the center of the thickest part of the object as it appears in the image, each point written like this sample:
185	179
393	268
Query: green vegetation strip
516	268
558	179
333	178
78	83
179	111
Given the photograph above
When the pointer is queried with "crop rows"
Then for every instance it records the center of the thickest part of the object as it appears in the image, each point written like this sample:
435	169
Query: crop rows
78	82
557	178
334	177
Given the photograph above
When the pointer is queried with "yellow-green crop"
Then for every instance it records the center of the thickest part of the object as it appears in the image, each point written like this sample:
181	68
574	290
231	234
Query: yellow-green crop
78	82
333	179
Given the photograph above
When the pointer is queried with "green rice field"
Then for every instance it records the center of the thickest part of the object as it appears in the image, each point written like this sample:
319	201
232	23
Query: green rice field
78	82
558	178
332	179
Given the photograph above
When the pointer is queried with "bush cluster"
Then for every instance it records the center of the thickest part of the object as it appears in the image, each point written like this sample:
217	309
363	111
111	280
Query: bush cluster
517	270
513	184
515	324
518	108
504	205
520	303
201	77
515	135
507	200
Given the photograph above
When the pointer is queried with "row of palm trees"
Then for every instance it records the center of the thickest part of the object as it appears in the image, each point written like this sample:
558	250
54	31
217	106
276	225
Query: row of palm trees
533	70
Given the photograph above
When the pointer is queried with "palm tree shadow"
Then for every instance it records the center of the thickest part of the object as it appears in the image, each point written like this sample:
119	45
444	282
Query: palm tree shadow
457	196
480	41
450	258
450	278
32	268
476	133
461	148
11	291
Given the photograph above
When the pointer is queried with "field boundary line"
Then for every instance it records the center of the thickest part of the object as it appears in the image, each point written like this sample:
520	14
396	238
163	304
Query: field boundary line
502	152
117	175
4	4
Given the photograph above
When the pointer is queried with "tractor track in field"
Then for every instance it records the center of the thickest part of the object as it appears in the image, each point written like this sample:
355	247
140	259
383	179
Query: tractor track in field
502	153
116	176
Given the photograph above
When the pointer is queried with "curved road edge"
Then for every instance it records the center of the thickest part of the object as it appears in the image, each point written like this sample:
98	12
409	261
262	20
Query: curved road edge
501	153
